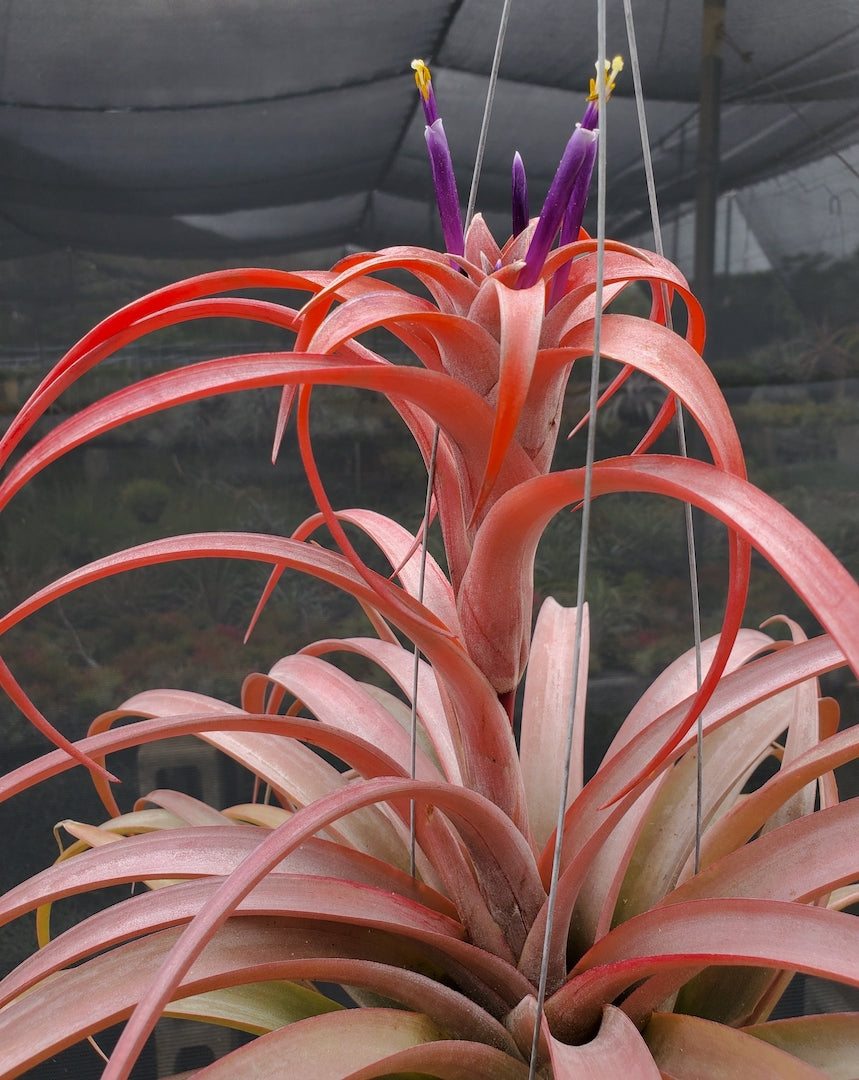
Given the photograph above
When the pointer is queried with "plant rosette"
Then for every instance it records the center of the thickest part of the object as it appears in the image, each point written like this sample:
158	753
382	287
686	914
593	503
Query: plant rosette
417	875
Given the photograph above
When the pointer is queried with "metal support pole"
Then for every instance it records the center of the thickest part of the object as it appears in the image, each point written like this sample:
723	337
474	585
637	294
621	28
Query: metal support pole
707	164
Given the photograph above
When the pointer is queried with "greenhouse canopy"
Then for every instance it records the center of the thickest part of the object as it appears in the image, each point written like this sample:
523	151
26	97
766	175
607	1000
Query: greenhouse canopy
235	130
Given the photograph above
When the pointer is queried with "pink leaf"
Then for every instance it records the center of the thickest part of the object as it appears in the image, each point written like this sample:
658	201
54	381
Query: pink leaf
697	934
448	1060
595	812
381	1039
402	550
623	265
667	358
464	415
803	732
645	853
399	665
799	861
679	681
546	714
320	1048
339	701
276	846
39	721
466	350
689	1048
496	622
667	840
450	289
86	999
280	895
479	725
744	819
616	1050
829	1043
521	320
102	338
185	807
362	313
366	759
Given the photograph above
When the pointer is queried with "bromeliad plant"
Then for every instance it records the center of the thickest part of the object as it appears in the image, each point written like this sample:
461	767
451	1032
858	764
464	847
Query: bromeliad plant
426	876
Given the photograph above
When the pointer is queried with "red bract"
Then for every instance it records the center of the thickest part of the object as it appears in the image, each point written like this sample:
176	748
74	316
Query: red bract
247	906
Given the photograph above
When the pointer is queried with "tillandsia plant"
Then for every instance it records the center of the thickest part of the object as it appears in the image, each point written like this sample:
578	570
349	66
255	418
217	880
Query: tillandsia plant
423	875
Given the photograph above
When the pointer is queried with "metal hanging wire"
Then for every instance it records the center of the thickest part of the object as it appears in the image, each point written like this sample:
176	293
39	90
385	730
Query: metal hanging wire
680	421
487	111
431	468
581	587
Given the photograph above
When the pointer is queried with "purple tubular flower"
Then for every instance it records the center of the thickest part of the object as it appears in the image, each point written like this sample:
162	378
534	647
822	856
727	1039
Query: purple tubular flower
445	188
441	163
573	217
591	117
520	195
580	147
569	190
578	199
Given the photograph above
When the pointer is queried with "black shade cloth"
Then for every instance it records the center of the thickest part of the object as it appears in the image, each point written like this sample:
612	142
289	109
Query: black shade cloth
236	128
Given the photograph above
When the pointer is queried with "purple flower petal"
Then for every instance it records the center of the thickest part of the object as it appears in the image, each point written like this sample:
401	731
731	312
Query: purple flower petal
445	188
520	195
568	193
579	149
441	163
573	221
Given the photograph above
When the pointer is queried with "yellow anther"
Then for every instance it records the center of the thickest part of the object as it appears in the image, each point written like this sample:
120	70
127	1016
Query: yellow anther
422	78
610	73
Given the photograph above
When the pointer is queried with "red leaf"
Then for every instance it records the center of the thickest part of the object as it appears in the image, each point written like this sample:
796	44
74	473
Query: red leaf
616	1050
373	1033
745	818
279	895
116	329
39	721
479	725
700	933
521	320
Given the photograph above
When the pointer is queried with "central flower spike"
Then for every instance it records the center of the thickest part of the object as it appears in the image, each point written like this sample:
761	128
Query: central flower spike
441	163
520	195
564	207
565	202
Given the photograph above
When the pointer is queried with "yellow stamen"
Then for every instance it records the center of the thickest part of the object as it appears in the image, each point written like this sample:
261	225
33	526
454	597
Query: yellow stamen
422	78
610	73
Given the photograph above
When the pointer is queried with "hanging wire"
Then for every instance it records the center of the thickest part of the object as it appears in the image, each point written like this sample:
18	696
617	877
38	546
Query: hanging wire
680	421
585	535
413	718
487	112
431	468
